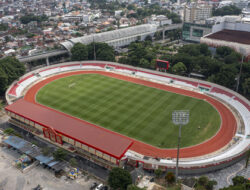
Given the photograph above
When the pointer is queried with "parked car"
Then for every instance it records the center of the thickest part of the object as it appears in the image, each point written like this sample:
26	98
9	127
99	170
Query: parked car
99	187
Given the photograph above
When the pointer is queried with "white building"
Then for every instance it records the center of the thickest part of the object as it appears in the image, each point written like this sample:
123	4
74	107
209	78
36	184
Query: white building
225	3
229	23
160	20
9	52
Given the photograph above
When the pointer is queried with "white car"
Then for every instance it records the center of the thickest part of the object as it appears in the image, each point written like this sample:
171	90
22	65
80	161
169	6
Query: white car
99	187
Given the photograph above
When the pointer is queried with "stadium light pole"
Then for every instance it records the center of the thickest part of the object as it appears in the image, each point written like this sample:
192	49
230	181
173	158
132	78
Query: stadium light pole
238	78
94	47
242	52
180	118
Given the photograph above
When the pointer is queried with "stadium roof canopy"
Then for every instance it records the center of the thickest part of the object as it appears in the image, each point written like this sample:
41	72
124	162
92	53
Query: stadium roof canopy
111	35
96	137
241	37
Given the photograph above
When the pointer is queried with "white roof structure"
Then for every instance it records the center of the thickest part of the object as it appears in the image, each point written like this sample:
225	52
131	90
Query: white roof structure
139	30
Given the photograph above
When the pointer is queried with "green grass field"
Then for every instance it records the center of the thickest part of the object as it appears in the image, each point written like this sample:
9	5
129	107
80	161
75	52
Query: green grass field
134	110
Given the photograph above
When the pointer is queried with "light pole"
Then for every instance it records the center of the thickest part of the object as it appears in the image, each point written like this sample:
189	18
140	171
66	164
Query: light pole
94	47
180	118
242	52
238	78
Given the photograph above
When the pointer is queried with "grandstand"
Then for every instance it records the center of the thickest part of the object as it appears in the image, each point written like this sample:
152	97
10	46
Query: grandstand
120	150
115	38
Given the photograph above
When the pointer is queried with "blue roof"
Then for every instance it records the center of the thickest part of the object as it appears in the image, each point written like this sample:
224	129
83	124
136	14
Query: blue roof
52	163
15	142
44	159
35	152
28	152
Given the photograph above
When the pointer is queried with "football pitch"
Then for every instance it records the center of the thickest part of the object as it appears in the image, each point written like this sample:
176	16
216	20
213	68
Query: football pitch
134	110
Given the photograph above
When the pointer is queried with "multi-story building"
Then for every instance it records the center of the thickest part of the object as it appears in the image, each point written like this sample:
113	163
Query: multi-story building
193	31
197	12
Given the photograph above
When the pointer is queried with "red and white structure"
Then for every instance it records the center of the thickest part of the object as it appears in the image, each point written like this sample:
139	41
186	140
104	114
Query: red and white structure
237	40
110	149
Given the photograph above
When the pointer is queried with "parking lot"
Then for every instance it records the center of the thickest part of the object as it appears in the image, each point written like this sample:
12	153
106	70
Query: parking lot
13	179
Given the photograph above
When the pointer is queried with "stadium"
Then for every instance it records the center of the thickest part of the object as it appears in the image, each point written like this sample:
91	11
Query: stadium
115	114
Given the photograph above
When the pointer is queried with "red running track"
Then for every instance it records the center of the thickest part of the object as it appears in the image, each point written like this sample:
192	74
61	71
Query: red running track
218	141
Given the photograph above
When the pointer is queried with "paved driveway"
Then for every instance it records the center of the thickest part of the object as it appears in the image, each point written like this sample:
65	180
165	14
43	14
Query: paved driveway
13	179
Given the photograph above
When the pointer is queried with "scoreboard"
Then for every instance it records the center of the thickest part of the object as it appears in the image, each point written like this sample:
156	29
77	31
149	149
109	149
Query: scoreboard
162	65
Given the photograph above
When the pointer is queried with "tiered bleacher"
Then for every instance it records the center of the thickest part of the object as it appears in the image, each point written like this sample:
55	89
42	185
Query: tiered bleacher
241	105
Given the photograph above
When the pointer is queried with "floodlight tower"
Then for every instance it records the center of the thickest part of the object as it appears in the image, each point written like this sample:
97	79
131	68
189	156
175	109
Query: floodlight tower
180	118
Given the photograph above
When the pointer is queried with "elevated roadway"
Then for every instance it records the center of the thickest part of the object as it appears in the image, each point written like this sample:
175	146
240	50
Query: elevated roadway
169	27
43	55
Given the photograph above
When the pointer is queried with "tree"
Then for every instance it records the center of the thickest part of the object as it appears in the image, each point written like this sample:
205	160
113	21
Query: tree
135	53
238	180
226	76
239	183
9	131
223	51
46	151
184	58
73	162
148	38
3	81
190	49
179	68
203	183
119	178
158	35
246	87
247	158
131	7
105	55
144	63
31	17
175	17
79	52
204	50
4	27
7	39
102	50
12	68
59	154
170	177
123	60
203	180
1	105
158	173
210	184
226	10
232	58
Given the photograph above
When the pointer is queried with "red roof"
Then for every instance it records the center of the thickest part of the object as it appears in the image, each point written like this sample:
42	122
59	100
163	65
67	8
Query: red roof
241	37
99	138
